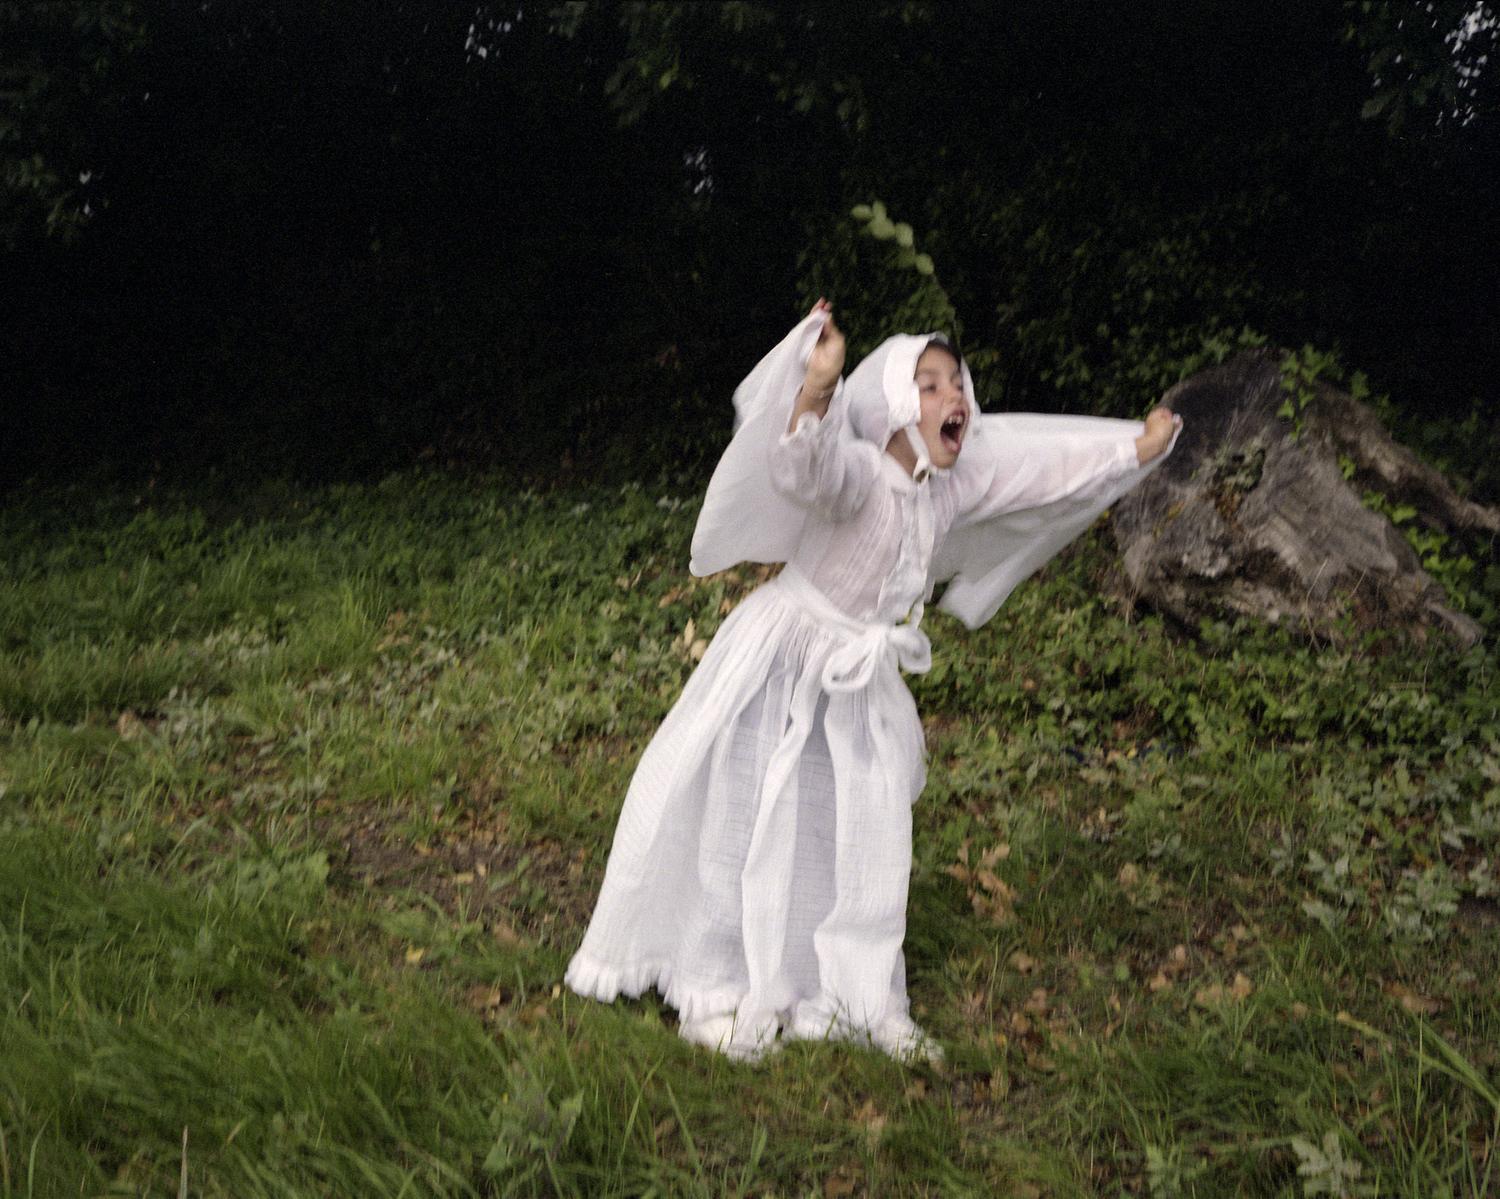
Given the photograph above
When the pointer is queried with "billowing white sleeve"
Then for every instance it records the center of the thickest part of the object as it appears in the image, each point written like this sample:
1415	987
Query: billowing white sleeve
821	465
1032	484
1035	472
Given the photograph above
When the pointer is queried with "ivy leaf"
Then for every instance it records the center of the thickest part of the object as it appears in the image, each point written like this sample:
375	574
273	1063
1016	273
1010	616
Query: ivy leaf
1322	913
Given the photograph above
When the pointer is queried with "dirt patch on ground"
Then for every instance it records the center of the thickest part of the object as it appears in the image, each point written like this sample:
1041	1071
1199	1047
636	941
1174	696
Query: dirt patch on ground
535	890
1480	913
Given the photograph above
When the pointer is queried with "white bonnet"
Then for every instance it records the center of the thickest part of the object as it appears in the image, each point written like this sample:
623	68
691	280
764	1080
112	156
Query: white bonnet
881	392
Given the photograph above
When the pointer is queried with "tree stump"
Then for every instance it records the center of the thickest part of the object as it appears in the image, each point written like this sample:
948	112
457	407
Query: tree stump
1250	517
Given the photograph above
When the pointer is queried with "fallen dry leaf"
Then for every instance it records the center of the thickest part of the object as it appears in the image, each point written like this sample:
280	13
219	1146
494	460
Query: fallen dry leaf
996	853
839	1184
1417	1005
989	894
1040	1062
534	1012
502	931
1176	963
1217	993
873	1121
483	999
414	955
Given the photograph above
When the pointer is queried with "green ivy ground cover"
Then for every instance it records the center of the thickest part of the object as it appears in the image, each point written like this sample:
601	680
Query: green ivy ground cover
304	800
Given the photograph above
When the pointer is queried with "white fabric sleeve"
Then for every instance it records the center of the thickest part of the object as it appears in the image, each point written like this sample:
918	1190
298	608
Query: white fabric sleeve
1036	473
1032	484
821	465
745	517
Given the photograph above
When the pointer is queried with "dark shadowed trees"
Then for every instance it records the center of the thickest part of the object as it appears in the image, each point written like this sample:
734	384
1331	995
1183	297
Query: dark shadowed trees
330	238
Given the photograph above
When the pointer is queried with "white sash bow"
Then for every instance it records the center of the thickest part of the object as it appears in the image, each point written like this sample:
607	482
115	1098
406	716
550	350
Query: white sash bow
866	645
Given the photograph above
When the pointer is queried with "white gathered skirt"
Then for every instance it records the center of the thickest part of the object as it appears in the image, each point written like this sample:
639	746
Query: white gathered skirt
761	860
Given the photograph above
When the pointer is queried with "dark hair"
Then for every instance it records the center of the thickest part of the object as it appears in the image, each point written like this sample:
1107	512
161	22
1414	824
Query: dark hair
941	341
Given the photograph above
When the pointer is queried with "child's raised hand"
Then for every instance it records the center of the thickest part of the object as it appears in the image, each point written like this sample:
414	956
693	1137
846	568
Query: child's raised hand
824	366
827	361
1161	425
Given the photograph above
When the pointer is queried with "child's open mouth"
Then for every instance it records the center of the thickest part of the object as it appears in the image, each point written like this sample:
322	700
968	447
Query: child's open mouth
952	432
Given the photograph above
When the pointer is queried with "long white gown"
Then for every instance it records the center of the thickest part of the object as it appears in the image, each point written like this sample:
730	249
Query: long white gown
760	864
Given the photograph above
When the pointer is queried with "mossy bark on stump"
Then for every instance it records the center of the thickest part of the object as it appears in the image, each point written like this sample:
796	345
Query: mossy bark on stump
1252	514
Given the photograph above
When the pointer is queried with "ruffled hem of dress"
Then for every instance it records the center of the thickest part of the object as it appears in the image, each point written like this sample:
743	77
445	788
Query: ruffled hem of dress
593	979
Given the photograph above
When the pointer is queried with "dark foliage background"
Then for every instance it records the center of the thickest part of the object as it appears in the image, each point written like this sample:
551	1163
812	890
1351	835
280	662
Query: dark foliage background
328	240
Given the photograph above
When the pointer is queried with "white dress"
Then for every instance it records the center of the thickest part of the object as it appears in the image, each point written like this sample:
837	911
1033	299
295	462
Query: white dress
760	864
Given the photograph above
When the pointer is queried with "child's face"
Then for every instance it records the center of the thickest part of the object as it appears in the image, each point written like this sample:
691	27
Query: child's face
945	412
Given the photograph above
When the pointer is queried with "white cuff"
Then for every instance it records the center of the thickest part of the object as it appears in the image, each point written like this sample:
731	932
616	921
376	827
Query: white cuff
808	426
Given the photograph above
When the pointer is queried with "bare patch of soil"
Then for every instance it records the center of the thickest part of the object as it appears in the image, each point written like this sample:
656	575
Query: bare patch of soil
474	872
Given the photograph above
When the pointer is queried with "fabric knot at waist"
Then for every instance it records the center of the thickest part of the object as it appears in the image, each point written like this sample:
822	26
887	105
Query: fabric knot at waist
865	645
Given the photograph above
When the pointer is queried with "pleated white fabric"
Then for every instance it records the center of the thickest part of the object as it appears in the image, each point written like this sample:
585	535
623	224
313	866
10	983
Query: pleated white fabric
760	865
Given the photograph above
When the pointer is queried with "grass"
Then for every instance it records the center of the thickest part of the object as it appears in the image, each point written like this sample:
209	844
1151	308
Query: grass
305	797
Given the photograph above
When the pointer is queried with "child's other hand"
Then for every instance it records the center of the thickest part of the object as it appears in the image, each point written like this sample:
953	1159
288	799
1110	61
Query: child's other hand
1161	425
827	361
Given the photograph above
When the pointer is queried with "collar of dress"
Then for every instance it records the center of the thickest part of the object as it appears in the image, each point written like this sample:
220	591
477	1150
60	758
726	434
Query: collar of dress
895	474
